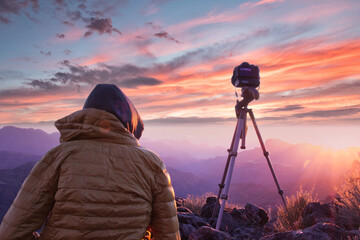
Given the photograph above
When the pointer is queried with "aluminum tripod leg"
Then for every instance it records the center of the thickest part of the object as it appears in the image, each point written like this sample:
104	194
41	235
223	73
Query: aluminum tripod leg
222	184
232	154
266	154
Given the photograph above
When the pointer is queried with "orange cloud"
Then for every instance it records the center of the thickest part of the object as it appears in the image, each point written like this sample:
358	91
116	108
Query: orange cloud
304	73
94	60
27	105
298	68
294	68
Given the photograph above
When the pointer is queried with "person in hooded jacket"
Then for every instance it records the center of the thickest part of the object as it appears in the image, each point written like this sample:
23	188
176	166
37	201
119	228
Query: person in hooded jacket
99	183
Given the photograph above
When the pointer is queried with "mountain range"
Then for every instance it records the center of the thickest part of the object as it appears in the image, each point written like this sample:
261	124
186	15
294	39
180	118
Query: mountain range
313	168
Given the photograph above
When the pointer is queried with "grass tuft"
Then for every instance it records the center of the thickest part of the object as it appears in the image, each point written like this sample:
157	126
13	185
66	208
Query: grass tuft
349	201
289	218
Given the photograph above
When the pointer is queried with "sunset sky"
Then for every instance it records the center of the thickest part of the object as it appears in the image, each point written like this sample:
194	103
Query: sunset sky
174	59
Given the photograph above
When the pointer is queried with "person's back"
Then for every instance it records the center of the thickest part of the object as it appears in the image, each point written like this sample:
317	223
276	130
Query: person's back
97	184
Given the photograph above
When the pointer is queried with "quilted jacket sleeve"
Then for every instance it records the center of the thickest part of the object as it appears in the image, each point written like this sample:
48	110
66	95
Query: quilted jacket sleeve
33	202
164	222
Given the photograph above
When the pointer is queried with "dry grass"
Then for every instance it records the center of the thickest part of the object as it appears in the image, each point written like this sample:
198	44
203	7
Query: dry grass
349	201
290	218
195	203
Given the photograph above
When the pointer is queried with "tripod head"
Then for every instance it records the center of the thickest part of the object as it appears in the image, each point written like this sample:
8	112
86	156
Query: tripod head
246	76
248	94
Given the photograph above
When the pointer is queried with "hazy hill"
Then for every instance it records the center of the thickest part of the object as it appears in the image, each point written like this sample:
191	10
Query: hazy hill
10	183
28	140
295	165
14	159
178	153
185	183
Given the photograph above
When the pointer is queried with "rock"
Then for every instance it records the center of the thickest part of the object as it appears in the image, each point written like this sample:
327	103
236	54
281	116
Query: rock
256	214
188	222
183	209
315	212
252	223
270	226
186	230
228	223
208	233
247	233
251	216
320	231
248	217
208	208
192	219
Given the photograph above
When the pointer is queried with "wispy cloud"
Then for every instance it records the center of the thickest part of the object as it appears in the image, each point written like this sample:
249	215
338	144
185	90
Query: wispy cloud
46	85
267	2
4	20
100	25
153	6
140	81
48	53
14	7
166	35
31	18
287	108
82	6
61	3
11	75
188	120
343	112
67	52
60	35
129	76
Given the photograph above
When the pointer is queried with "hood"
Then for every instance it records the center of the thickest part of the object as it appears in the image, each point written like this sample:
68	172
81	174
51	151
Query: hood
93	123
110	98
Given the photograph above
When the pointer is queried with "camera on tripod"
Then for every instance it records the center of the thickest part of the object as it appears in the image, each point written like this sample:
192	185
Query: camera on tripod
246	76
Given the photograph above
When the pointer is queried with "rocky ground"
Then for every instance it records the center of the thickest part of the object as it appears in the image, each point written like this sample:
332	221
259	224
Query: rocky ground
253	223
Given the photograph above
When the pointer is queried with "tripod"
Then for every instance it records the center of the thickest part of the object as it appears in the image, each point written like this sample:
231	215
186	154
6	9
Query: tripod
240	133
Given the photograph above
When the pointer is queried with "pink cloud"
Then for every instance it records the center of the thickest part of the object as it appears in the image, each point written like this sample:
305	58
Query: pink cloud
211	18
267	2
27	105
320	11
94	60
71	35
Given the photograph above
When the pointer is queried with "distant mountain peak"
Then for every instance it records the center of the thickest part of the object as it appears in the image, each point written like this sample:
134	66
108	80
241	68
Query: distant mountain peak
12	129
27	140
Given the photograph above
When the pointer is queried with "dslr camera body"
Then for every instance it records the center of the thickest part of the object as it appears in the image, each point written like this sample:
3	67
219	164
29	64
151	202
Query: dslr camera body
246	75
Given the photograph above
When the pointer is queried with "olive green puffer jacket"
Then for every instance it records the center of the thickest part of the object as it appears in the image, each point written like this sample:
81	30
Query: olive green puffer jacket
97	184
